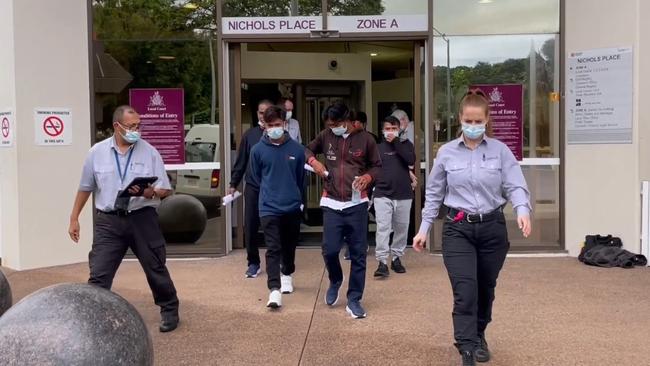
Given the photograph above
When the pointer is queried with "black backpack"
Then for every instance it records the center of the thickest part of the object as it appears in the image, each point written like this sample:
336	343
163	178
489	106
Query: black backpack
607	251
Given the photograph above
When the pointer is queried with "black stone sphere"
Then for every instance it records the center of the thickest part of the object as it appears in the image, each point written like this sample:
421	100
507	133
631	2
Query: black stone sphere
182	218
5	294
74	324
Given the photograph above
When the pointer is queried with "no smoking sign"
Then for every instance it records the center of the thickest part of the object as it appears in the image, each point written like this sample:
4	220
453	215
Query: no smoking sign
52	126
6	128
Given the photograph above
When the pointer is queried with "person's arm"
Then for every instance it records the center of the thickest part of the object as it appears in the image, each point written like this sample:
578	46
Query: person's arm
161	188
87	185
314	148
255	166
374	159
405	151
436	188
516	189
239	169
79	203
514	183
300	175
298	136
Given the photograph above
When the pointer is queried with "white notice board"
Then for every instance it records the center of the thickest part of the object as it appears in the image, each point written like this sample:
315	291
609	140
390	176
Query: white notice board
599	96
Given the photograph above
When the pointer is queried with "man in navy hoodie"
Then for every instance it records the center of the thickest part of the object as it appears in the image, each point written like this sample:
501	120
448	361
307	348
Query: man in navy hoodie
277	165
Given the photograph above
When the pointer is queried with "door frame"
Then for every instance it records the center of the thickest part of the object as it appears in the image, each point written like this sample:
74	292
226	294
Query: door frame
230	98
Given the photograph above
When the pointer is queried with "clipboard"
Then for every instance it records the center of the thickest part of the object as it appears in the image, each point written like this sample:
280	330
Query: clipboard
142	182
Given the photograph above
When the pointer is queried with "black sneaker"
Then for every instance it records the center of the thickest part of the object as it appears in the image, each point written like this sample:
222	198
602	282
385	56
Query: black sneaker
382	270
482	353
467	358
397	266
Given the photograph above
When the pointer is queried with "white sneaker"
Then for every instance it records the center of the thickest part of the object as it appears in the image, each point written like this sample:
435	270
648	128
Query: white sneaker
275	300
286	284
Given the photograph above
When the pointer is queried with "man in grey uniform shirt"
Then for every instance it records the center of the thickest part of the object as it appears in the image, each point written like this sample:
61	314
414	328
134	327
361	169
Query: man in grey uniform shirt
121	223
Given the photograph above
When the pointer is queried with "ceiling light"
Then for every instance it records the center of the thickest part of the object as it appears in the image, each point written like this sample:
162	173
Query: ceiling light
167	57
373	54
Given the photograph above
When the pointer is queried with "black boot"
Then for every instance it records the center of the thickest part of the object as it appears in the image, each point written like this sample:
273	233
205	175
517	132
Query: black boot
467	358
482	353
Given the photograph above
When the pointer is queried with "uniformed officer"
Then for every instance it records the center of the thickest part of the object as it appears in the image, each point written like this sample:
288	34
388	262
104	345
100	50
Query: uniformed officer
474	176
123	223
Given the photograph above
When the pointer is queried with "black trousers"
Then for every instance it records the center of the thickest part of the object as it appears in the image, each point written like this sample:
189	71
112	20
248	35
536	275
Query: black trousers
251	224
351	224
281	235
139	231
473	254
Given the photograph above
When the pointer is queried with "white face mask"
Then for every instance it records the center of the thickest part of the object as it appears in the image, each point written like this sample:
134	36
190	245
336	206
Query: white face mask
289	114
260	123
388	134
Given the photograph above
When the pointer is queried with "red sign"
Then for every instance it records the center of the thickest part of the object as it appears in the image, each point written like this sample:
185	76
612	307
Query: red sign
5	127
53	126
506	114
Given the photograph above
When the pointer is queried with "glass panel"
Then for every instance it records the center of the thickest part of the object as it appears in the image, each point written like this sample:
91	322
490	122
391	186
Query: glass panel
271	8
503	59
377	7
543	183
159	45
480	17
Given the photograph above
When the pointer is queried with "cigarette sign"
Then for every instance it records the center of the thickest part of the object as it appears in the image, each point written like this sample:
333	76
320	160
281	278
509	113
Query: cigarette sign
52	126
7	128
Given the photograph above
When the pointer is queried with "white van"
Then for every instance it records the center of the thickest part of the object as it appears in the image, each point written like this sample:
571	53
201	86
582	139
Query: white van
201	146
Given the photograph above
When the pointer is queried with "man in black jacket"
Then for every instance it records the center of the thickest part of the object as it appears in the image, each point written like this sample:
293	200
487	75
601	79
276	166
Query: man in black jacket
392	197
251	191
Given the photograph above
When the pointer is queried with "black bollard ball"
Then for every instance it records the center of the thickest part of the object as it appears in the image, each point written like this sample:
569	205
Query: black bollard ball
74	324
5	294
182	218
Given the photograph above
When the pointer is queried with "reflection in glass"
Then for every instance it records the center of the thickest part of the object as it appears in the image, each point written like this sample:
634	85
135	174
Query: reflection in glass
508	59
475	17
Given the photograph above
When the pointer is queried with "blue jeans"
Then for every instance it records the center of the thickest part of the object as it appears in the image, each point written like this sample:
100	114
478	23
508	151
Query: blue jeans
351	223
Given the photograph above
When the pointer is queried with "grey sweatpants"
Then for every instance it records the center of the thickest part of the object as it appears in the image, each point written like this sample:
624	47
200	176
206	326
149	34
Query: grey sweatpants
391	215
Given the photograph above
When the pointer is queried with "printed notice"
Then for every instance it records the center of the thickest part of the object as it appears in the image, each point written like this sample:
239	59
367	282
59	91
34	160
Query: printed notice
599	96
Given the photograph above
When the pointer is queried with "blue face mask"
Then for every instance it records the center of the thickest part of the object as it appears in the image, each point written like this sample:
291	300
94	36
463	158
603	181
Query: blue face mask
130	136
473	132
275	133
339	131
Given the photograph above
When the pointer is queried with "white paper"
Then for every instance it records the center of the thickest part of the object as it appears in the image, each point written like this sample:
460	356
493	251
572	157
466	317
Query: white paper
230	197
309	168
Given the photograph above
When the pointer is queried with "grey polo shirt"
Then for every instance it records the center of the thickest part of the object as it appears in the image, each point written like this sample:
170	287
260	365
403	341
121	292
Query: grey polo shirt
100	173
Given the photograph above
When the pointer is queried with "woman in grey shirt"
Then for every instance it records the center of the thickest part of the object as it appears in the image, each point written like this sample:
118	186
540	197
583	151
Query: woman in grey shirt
474	176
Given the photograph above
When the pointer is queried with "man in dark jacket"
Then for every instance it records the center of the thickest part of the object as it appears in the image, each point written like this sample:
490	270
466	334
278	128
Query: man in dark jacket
392	197
277	165
251	192
351	164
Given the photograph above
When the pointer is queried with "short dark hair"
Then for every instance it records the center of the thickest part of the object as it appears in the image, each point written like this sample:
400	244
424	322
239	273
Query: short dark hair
359	116
274	112
120	111
337	112
392	120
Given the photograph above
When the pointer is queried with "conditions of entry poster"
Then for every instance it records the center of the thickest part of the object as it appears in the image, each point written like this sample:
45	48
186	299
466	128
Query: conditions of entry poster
506	114
162	119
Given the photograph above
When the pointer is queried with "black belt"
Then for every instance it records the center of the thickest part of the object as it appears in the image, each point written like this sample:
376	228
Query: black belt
458	215
125	213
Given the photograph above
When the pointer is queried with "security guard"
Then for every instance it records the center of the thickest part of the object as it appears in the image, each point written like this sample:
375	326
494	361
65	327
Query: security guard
123	223
474	176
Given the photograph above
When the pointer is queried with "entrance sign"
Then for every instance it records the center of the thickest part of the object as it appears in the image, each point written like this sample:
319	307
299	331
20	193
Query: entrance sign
7	128
506	114
52	126
599	96
271	25
162	120
378	23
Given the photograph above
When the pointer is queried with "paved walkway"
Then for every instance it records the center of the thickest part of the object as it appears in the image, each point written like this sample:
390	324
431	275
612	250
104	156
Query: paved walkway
550	311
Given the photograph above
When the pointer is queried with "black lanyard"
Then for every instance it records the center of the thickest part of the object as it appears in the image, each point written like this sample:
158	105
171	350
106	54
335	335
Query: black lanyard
126	168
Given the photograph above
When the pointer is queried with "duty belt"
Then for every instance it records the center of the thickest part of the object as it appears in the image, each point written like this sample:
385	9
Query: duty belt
459	215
